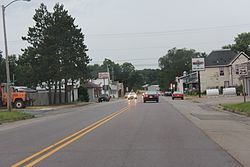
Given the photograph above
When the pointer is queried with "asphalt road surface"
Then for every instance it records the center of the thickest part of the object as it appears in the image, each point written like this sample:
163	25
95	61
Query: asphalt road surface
113	134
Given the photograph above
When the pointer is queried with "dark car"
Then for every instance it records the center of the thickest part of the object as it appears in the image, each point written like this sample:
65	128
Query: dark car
103	97
168	93
151	96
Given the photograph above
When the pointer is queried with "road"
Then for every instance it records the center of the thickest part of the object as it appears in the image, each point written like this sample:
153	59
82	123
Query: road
116	134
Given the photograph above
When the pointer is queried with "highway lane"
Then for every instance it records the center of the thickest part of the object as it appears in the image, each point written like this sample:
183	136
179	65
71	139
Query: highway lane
131	134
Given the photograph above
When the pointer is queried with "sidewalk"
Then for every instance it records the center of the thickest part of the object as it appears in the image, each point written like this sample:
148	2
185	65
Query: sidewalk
231	131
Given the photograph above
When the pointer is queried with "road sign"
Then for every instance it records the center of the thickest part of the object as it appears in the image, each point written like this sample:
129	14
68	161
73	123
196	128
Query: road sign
198	64
243	70
103	75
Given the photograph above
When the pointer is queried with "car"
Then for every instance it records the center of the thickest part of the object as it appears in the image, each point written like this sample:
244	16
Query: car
177	94
168	93
126	95
151	96
103	97
132	95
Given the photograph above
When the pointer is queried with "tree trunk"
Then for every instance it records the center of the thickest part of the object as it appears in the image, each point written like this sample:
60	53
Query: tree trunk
55	93
50	98
60	92
66	91
73	93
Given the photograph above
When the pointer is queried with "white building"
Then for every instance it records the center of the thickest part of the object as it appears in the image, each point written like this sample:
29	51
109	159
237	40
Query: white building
222	69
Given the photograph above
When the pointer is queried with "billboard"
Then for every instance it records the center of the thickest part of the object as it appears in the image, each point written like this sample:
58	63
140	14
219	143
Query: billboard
103	75
198	64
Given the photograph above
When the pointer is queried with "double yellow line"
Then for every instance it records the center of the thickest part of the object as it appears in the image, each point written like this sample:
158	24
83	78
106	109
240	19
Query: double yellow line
39	156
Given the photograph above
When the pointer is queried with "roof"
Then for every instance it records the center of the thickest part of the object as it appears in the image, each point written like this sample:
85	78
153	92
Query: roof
220	58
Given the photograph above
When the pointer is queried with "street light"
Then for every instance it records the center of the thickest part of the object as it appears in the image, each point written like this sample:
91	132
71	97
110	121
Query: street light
6	55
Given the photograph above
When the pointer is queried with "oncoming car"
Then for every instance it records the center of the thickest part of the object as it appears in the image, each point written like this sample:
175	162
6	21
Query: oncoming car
151	96
132	95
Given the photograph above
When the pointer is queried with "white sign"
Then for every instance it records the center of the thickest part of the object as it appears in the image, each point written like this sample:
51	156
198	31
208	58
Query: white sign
243	70
103	75
198	64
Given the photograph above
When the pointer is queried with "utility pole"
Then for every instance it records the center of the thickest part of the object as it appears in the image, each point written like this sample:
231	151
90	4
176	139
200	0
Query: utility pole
7	62
7	55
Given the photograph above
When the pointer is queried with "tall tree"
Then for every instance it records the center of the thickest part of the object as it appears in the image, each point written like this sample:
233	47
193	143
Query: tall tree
174	63
242	43
57	49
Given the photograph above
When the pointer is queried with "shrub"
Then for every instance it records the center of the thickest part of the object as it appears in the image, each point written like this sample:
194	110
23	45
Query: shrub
83	94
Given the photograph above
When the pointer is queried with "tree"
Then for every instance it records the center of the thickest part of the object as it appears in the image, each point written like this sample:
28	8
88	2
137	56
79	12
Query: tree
242	42
2	68
150	76
174	63
57	50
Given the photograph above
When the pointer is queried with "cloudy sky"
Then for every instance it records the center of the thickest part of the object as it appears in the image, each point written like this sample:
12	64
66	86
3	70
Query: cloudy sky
139	31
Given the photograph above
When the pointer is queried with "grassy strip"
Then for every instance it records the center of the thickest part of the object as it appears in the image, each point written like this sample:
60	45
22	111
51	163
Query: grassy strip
14	116
239	107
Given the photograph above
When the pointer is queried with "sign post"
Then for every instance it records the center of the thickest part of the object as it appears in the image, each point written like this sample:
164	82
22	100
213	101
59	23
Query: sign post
198	64
243	73
104	75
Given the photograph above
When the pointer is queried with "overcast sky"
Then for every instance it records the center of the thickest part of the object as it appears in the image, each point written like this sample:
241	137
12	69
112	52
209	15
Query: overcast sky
139	31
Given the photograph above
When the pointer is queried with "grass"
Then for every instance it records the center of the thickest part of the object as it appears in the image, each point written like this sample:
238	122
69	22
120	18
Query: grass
239	107
14	116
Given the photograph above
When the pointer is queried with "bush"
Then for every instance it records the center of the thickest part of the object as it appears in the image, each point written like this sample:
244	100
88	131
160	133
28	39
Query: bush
83	94
239	90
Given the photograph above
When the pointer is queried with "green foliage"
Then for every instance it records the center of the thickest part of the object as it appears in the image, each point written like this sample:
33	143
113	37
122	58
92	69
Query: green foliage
2	69
83	94
14	116
126	73
57	51
174	63
150	76
242	42
239	89
240	107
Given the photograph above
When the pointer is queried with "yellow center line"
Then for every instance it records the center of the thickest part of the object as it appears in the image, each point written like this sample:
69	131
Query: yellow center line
74	137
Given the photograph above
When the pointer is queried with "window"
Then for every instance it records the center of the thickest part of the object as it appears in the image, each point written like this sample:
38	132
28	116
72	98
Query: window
221	71
237	69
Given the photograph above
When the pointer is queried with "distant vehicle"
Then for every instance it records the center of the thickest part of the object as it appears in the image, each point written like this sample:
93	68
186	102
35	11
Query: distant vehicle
151	96
126	95
177	94
103	97
168	93
132	95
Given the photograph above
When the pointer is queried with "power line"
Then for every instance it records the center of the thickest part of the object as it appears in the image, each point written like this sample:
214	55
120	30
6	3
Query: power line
169	32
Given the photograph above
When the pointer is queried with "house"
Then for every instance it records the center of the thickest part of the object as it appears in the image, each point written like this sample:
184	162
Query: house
116	89
94	91
104	83
222	69
112	88
187	82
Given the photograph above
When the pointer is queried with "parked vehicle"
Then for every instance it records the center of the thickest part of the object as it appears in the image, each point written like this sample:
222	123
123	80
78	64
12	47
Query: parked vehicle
103	97
168	93
177	94
132	95
151	96
18	99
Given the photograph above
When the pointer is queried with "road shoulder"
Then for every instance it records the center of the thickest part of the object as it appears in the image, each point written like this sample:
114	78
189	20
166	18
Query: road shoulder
229	130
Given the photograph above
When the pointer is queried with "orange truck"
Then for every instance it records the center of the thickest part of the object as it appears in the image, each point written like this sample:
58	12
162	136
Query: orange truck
18	99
